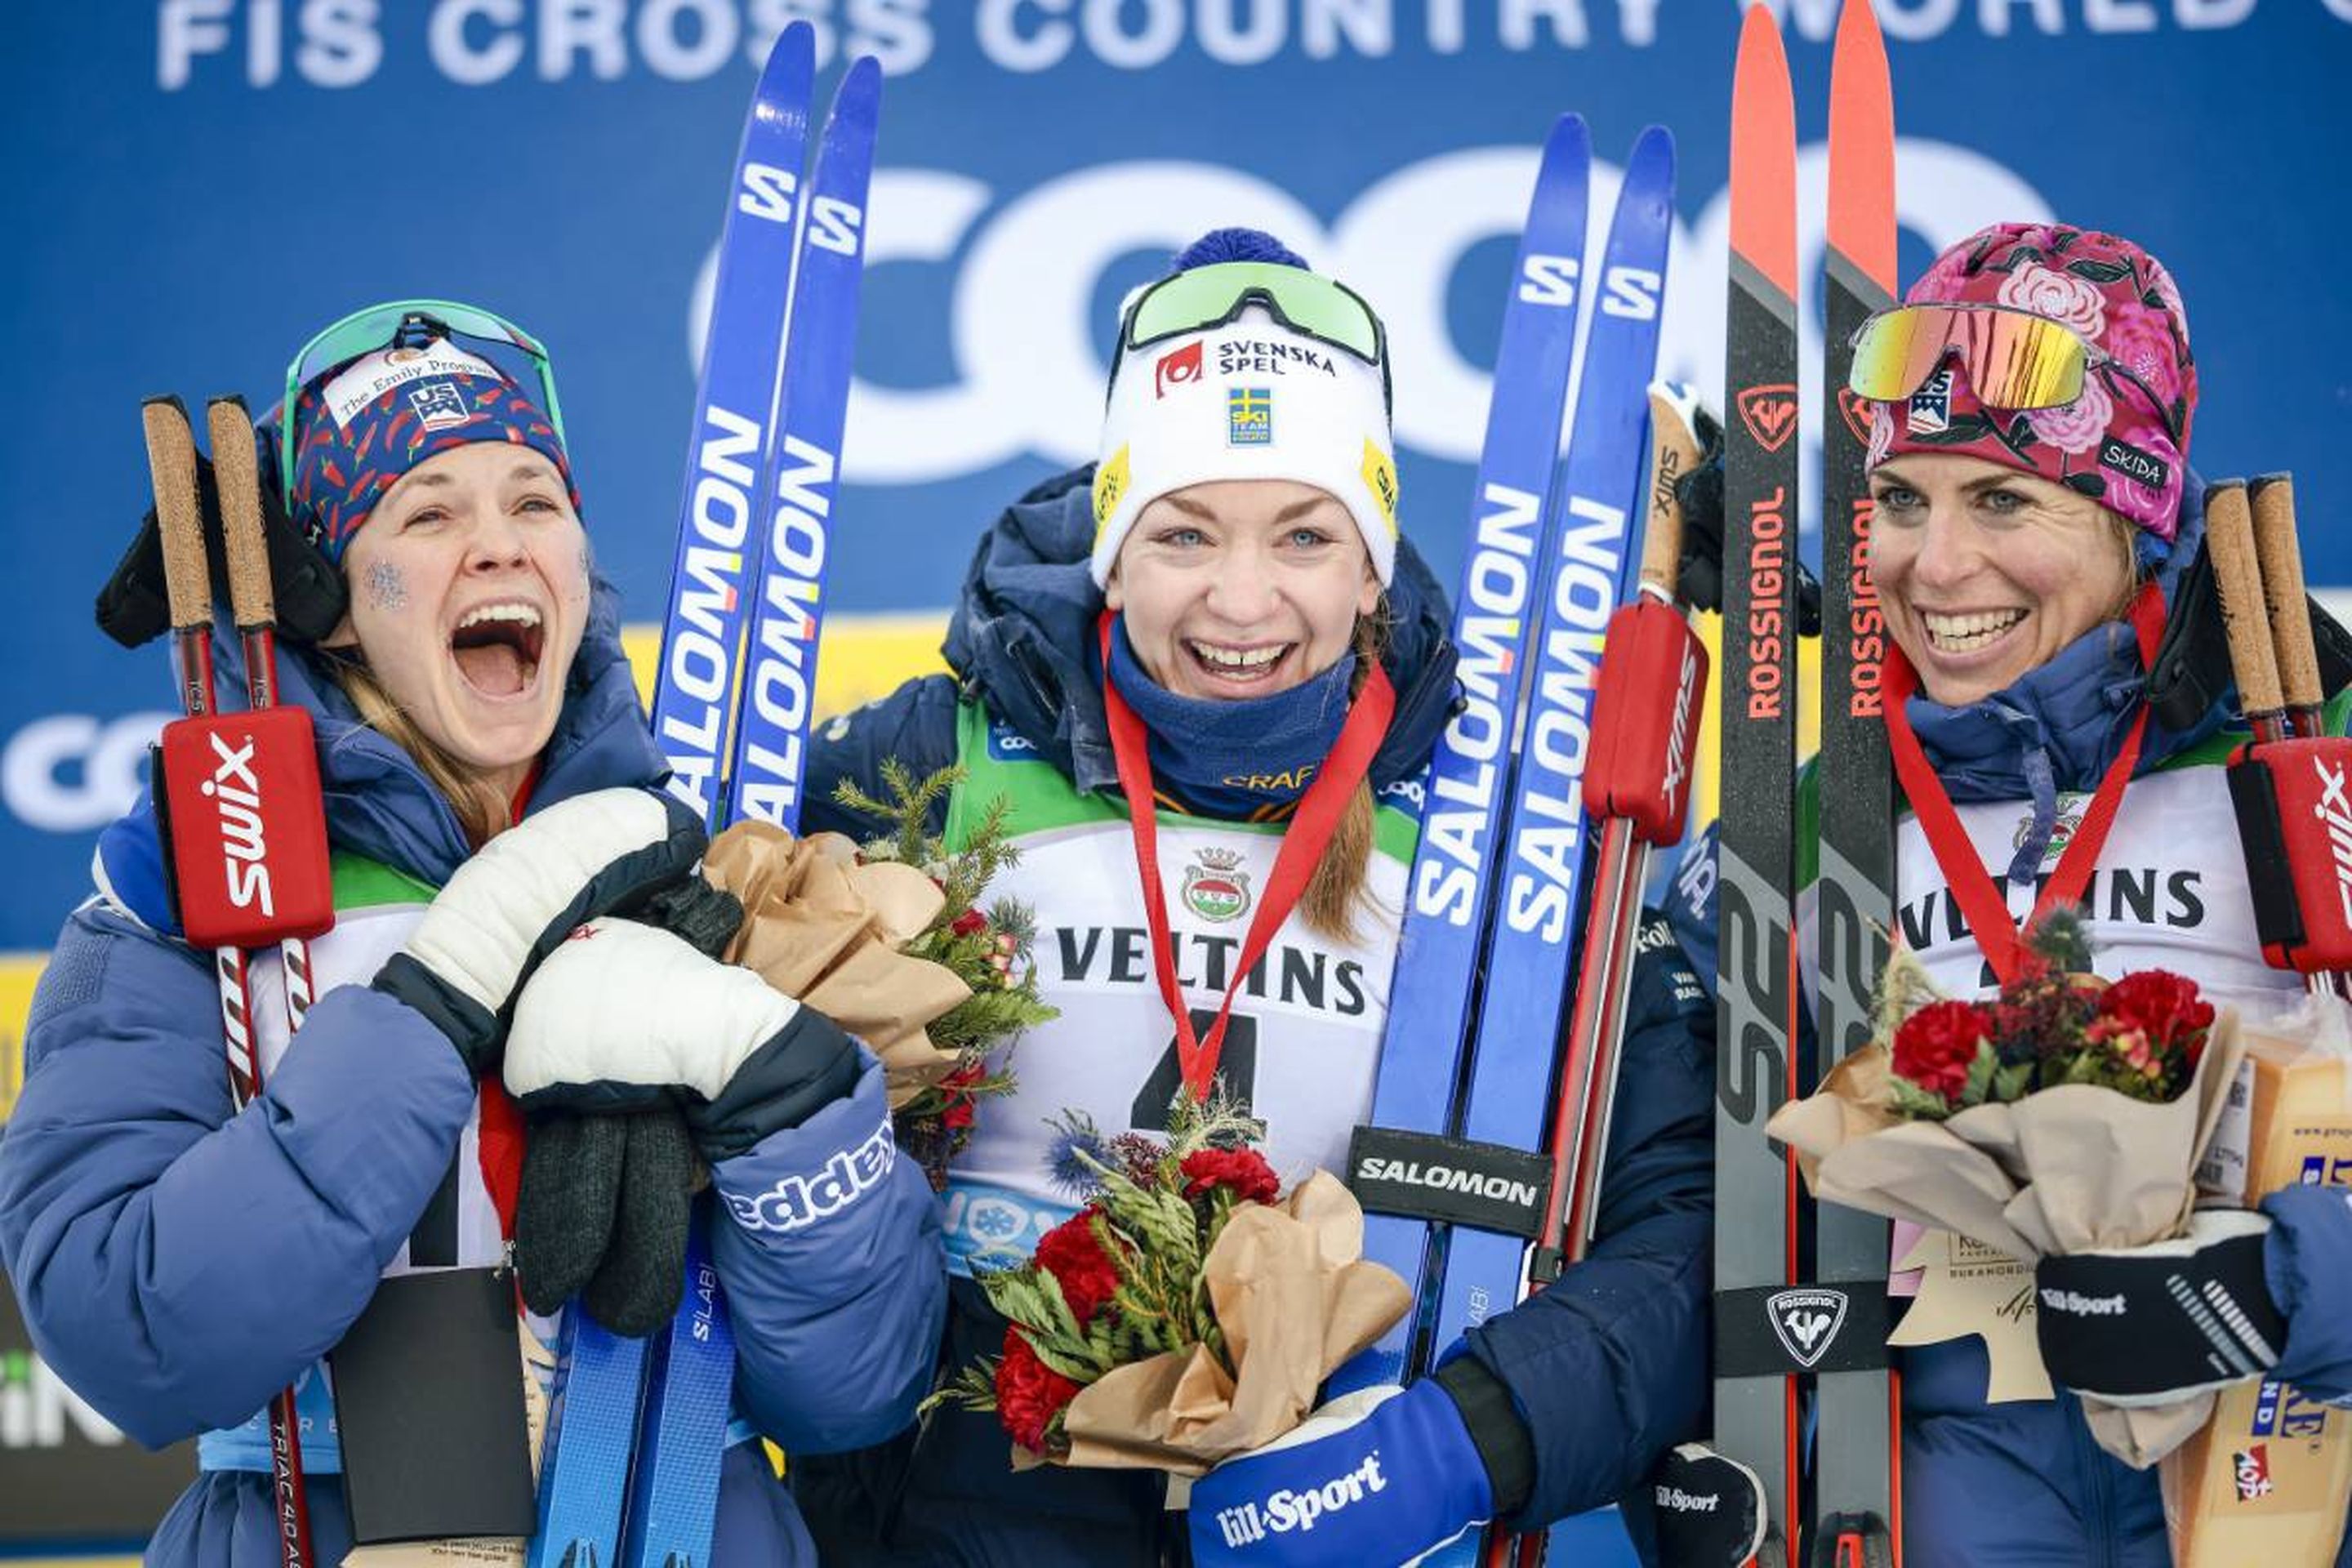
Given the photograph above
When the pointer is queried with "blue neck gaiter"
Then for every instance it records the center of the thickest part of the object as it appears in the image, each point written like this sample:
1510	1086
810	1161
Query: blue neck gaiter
1244	760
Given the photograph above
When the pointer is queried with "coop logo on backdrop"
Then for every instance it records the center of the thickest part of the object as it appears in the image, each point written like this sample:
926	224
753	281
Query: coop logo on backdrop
71	772
1018	373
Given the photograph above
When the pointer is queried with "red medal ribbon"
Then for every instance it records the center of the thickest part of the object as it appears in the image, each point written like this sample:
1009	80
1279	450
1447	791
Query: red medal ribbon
1303	845
1972	886
502	1134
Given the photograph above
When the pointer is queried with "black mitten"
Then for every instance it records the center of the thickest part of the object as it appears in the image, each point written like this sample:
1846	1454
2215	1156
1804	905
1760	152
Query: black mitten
606	1205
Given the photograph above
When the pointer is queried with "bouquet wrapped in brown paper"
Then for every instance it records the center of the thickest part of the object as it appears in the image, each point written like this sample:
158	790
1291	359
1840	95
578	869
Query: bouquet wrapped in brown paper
889	941
1188	1313
2060	1115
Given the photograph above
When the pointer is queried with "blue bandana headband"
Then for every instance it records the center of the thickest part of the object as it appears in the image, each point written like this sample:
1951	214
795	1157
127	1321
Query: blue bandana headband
359	428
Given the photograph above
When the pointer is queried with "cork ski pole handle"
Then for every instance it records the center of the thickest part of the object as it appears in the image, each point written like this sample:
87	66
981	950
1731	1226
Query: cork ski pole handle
1673	452
179	511
2229	538
2272	499
236	470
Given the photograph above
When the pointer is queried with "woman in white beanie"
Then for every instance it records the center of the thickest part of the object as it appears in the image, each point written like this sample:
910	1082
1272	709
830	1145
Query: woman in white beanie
1220	618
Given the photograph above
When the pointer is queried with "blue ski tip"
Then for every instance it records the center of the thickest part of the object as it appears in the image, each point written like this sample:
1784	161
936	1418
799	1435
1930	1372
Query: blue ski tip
781	98
861	87
1569	137
1656	145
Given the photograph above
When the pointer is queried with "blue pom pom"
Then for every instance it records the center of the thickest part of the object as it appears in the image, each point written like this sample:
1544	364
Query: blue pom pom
1238	245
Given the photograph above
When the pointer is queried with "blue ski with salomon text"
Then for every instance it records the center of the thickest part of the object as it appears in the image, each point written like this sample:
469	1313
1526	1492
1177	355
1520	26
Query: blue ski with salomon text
594	1415
1447	899
734	413
804	464
1585	577
683	1431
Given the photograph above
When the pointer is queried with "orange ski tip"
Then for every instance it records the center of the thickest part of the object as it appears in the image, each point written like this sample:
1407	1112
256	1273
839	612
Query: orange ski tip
1764	153
1862	144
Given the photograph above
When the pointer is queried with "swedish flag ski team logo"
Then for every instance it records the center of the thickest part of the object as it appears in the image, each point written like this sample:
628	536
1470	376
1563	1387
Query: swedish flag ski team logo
1249	416
1217	889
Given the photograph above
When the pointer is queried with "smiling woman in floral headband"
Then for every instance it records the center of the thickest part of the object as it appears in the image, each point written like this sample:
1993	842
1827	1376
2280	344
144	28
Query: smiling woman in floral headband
2035	532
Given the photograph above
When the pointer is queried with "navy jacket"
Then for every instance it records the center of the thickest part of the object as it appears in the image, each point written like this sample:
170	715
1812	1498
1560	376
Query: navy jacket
1601	1373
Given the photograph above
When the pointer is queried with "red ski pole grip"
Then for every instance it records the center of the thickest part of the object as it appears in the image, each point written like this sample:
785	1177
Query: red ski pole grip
247	827
1646	715
2294	804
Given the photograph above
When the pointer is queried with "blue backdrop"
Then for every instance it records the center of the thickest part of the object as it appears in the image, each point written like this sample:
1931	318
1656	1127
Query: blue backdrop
197	184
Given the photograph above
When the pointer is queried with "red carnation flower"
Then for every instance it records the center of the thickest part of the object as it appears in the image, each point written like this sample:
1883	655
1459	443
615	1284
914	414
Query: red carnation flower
956	1087
1241	1171
969	922
1029	1394
2151	1015
1087	1275
1937	1044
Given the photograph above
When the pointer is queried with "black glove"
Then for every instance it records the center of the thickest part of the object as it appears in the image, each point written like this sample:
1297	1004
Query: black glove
509	906
1700	494
307	590
1710	1512
2144	1325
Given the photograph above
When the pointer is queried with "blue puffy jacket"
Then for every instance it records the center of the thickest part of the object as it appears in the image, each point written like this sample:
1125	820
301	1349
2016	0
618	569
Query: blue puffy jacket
1589	1382
2023	1483
177	1264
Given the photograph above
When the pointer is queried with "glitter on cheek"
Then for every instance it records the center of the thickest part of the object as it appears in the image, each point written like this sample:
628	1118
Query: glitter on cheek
387	588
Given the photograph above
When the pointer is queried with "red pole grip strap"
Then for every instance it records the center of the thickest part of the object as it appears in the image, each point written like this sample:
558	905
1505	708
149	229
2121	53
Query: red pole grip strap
2293	803
1645	714
248	827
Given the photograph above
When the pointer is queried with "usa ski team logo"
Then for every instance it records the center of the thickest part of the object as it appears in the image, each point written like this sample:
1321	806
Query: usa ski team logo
1217	889
1249	416
1806	1322
1175	369
1769	413
439	405
1931	409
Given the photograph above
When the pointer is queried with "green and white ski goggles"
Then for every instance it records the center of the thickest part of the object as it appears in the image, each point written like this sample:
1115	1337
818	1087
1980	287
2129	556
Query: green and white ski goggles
416	322
1307	304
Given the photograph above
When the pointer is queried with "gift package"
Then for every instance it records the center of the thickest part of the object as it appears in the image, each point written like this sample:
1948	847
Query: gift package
2268	1479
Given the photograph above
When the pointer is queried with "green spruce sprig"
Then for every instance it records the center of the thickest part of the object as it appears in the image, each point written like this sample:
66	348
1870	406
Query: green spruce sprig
991	956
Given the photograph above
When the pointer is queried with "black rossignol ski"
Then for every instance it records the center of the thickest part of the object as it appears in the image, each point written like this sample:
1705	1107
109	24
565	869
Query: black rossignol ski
1857	1473
1755	1309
